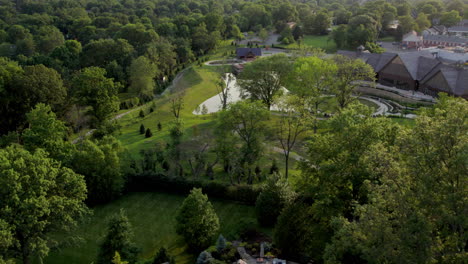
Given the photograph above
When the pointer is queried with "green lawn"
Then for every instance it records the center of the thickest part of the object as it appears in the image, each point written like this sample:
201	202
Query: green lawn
200	80
323	42
153	218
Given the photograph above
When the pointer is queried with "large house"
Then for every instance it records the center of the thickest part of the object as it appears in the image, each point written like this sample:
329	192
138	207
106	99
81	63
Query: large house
417	71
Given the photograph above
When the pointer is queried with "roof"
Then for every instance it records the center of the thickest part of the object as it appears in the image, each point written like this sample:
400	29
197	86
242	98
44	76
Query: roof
421	65
242	52
439	28
451	39
412	36
458	29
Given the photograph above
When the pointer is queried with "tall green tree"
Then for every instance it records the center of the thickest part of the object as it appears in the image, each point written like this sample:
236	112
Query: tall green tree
264	78
349	73
118	239
92	88
142	72
100	163
38	197
245	121
197	221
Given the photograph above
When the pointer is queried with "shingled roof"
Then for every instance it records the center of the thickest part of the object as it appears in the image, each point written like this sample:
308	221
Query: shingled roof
444	38
243	52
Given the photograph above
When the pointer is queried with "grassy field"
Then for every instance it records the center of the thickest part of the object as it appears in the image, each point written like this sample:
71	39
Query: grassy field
323	42
153	218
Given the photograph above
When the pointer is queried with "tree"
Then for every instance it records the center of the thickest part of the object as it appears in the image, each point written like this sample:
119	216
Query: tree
38	197
204	258
263	34
310	79
99	161
117	259
162	256
349	73
47	132
422	21
93	89
224	87
118	239
276	194
142	129
148	133
419	191
8	71
263	78
101	52
221	243
451	18
177	104
322	23
407	23
245	120
290	126
48	38
298	235
339	35
142	72
297	32
236	33
197	221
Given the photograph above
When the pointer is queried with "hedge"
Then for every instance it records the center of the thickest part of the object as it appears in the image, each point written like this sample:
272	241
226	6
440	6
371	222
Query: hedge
151	181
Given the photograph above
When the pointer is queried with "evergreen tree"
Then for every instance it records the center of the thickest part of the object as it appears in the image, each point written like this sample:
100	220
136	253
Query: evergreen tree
197	221
119	238
159	126
221	243
141	114
161	256
204	258
148	133
142	129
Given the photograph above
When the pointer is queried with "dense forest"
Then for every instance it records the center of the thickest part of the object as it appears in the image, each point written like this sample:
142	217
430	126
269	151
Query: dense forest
325	179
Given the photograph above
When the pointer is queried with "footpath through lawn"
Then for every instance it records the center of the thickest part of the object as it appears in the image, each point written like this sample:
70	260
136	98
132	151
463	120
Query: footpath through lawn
153	218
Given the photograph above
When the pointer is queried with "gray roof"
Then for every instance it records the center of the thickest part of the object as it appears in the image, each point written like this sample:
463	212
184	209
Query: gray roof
458	29
451	39
242	52
421	65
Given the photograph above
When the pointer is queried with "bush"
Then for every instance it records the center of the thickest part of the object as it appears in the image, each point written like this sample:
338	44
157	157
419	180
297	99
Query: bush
142	129
141	114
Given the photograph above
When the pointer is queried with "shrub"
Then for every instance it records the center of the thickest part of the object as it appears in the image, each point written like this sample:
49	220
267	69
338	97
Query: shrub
204	258
142	129
141	114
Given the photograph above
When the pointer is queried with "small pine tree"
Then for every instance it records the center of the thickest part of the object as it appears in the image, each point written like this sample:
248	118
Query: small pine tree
221	244
151	110
274	168
142	114
142	129
204	110
197	110
148	133
159	126
204	258
162	256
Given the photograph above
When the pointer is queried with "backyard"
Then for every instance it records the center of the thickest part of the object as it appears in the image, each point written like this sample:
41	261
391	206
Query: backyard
153	218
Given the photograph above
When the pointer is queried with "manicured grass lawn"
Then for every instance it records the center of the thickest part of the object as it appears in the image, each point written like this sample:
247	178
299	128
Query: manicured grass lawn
153	218
387	39
198	84
323	42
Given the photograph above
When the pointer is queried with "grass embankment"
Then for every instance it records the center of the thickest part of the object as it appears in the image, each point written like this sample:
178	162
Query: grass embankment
323	42
153	218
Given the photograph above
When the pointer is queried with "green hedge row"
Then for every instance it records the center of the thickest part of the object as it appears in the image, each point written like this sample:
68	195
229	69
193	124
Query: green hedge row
151	181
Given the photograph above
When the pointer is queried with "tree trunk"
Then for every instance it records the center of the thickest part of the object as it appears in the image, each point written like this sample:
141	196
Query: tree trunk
25	254
286	165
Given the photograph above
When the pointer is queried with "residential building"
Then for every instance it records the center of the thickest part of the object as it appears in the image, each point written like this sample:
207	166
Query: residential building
460	30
